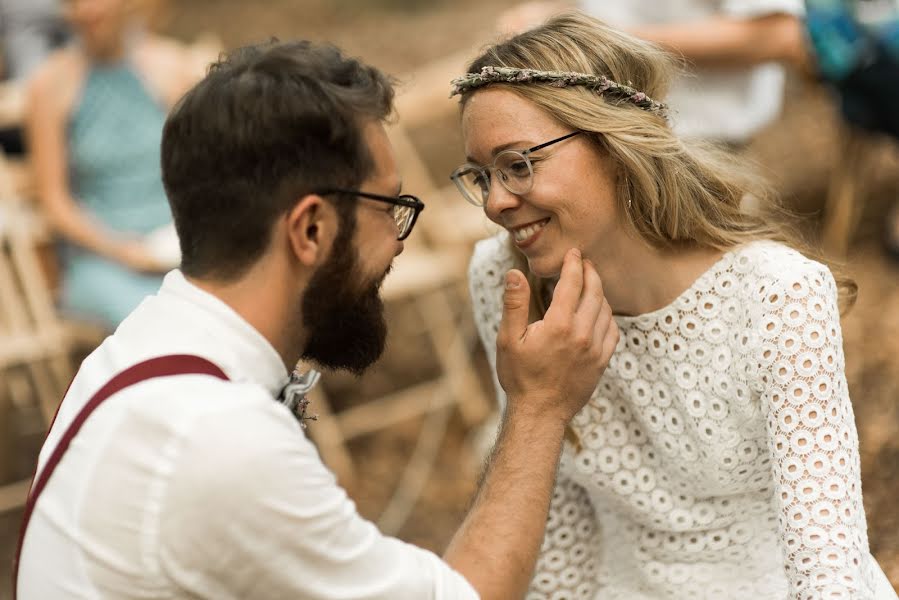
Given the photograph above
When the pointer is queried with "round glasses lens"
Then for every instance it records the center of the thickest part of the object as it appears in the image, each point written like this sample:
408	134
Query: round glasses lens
514	171
473	184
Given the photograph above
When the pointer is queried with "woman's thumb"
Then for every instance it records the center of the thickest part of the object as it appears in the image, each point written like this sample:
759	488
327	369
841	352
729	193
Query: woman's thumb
516	301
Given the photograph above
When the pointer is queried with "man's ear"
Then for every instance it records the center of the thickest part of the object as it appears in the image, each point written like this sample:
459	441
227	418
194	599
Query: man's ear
311	228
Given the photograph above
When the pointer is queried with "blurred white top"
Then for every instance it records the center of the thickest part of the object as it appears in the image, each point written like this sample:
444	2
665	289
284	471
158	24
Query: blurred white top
162	244
711	104
190	486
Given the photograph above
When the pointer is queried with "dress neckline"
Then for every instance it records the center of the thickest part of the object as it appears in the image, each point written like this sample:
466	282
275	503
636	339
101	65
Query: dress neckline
717	266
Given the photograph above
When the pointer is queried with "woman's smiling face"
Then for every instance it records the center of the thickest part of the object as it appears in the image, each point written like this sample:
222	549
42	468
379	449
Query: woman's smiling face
572	201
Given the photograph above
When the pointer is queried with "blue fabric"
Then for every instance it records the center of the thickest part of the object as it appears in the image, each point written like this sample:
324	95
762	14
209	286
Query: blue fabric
840	43
859	60
114	140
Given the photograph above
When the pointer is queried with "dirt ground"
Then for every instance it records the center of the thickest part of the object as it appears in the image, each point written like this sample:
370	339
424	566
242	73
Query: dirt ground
798	153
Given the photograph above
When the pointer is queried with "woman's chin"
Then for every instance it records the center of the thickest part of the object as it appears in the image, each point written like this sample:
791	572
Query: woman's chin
545	269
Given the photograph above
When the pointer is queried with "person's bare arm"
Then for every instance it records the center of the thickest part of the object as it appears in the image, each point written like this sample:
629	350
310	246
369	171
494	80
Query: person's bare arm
724	41
720	41
50	93
549	370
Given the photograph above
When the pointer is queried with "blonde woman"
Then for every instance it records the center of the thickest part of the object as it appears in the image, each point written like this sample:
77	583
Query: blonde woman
718	457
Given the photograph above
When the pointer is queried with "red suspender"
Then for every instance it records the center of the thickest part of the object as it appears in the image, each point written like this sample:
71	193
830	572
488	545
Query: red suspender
162	366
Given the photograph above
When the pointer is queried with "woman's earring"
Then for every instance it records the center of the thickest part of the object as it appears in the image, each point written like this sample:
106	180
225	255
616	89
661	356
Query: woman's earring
630	197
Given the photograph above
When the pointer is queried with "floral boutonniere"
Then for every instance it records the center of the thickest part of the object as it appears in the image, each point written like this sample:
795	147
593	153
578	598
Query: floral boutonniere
294	395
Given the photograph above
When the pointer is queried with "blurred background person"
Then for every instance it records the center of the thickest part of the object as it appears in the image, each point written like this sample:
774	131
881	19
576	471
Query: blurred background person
95	111
856	51
734	50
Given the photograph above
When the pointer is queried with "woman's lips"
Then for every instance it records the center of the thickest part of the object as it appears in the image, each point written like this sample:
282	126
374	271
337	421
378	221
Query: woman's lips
526	235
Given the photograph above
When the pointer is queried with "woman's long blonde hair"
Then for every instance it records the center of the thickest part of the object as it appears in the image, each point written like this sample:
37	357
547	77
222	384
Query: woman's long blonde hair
672	193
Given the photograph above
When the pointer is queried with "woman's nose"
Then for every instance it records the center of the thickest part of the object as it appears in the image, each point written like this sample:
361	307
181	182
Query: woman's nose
499	199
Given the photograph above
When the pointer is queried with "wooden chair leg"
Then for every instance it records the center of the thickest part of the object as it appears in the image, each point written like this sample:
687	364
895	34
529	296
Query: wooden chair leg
46	392
14	495
449	335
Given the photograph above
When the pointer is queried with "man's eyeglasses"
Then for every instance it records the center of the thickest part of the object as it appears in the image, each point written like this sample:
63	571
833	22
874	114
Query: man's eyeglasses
514	168
404	211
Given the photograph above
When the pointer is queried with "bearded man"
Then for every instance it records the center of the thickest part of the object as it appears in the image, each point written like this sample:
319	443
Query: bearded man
172	472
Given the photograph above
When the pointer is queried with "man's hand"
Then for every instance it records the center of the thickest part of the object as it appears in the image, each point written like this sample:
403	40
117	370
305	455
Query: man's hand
550	368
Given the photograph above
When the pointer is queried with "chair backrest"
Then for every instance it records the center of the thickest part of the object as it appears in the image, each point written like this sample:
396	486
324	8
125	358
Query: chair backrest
29	327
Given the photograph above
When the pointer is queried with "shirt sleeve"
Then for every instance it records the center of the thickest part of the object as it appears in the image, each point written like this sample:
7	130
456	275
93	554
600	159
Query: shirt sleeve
749	9
812	437
252	512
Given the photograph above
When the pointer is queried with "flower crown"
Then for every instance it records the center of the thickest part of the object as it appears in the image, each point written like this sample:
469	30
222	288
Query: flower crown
600	84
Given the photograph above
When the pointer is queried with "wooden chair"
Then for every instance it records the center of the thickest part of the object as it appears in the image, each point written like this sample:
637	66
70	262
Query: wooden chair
34	345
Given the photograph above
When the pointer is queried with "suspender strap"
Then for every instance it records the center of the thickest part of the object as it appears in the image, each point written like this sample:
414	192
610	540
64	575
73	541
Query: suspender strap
162	366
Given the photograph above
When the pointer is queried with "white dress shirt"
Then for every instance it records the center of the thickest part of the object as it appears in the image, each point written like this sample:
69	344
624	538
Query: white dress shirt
193	487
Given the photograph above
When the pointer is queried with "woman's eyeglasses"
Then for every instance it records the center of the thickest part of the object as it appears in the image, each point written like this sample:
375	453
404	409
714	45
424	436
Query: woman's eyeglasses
513	168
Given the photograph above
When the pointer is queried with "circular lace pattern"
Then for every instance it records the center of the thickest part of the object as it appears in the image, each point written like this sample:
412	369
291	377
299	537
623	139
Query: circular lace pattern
718	455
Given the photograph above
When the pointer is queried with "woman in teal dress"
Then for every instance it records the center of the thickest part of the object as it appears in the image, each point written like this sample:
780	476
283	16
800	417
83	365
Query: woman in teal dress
95	116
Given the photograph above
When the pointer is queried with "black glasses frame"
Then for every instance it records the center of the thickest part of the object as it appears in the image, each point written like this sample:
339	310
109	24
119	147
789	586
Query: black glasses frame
405	200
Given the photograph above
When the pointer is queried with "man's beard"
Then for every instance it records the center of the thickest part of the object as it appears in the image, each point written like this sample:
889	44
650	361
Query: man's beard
343	317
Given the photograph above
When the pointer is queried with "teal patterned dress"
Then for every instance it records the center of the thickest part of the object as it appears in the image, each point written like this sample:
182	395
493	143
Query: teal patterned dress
114	172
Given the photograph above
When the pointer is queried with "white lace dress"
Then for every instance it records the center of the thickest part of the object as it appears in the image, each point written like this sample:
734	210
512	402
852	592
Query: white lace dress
719	454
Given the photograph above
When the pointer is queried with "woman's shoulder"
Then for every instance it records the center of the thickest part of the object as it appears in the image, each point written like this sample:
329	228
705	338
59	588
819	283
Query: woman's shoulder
774	260
171	66
775	273
164	50
54	84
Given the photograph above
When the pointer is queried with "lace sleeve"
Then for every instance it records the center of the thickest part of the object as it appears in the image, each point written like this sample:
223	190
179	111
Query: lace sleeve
486	277
567	566
812	435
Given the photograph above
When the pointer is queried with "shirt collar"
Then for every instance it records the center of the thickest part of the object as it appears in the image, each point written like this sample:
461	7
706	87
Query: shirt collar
235	345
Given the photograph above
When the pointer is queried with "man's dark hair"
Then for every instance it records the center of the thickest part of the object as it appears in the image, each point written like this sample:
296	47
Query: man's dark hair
268	124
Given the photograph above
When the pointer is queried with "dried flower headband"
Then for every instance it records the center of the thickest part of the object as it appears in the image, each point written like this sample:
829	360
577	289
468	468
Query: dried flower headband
600	84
